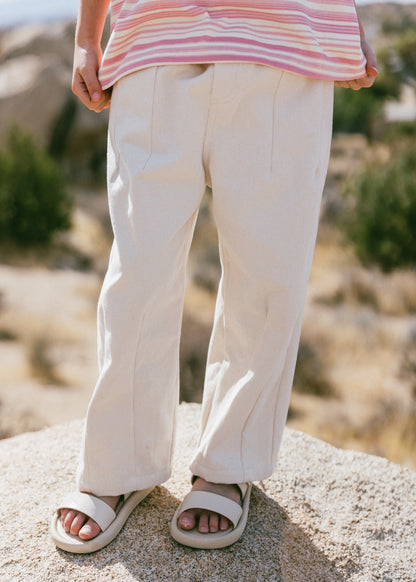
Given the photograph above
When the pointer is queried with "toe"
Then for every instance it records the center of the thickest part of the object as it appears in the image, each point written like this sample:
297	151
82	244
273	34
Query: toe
203	525
90	530
187	520
70	515
77	523
213	522
224	523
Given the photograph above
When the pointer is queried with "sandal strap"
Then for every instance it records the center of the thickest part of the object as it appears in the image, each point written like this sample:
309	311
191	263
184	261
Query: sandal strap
93	507
213	502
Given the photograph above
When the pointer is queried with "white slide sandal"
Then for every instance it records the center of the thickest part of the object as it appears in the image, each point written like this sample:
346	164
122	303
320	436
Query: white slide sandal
110	521
237	514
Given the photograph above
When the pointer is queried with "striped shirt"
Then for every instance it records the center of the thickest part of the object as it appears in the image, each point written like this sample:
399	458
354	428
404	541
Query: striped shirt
316	38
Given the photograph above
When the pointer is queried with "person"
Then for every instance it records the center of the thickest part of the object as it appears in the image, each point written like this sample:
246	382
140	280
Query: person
236	95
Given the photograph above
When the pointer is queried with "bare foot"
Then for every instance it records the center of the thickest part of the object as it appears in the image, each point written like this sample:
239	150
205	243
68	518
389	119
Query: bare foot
79	524
209	521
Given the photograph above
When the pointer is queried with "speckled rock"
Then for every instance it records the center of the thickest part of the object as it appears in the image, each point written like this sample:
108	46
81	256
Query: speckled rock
325	515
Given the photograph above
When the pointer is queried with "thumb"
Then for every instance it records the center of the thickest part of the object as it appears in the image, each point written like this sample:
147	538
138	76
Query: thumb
372	69
371	66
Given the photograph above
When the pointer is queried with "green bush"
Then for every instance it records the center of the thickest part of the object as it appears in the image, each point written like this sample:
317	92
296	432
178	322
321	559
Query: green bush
363	111
406	50
34	204
356	111
402	24
381	222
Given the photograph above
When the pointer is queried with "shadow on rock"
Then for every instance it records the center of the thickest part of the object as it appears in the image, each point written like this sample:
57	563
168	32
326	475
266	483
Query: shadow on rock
273	548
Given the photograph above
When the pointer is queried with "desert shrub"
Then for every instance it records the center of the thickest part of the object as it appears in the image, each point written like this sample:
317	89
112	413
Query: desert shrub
41	361
355	112
406	51
381	219
403	22
310	376
34	204
399	130
363	111
61	130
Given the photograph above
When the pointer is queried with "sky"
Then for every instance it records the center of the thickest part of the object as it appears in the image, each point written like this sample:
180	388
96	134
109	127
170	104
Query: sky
14	12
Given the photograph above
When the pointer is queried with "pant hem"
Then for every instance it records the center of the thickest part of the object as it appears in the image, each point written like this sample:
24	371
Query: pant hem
134	484
228	477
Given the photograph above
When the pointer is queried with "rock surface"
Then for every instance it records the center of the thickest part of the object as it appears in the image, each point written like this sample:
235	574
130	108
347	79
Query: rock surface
35	94
325	515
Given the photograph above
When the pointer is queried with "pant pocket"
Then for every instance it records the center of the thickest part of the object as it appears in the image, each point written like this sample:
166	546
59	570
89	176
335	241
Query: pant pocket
131	120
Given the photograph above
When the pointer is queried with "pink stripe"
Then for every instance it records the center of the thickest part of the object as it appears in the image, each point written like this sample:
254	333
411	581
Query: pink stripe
295	64
225	43
294	37
292	68
317	39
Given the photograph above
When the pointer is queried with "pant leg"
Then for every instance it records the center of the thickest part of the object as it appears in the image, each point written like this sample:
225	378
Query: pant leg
156	181
268	156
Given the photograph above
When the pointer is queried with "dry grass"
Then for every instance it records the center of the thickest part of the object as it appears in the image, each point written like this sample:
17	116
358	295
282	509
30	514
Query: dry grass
310	374
43	364
361	325
389	294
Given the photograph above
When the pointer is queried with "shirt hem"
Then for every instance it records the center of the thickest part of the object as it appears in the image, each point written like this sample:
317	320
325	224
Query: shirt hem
108	81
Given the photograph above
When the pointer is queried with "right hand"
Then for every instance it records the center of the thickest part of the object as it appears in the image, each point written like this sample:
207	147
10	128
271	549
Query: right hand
85	83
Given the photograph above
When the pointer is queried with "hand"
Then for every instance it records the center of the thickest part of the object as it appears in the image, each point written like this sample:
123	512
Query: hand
371	70
85	83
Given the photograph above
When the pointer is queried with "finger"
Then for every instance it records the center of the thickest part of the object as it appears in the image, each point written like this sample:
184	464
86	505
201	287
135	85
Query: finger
107	94
87	88
100	106
92	85
103	103
351	84
356	84
80	90
343	84
363	83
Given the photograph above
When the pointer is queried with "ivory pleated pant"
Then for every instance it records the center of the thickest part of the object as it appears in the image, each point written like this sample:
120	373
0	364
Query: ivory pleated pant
260	137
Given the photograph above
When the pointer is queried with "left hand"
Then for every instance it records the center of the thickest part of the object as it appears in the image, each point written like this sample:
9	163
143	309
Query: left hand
371	70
